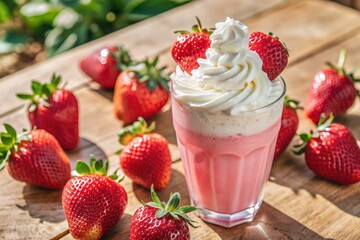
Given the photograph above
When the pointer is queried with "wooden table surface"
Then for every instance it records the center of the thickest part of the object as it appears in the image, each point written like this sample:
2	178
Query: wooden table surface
298	205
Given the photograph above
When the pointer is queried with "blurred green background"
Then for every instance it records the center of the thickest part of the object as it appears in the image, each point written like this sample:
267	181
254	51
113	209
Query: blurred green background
64	24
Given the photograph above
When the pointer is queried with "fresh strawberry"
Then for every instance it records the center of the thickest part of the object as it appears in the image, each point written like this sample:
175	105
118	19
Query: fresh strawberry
146	157
93	203
332	152
55	110
158	220
34	157
190	46
332	91
273	53
141	92
289	125
104	66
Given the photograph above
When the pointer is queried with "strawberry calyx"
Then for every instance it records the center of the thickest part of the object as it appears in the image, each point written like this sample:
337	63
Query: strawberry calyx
9	142
121	56
146	71
306	137
41	92
339	67
138	128
96	166
271	34
171	207
197	28
292	103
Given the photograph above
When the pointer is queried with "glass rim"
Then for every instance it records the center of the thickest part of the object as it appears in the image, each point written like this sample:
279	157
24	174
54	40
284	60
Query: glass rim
273	102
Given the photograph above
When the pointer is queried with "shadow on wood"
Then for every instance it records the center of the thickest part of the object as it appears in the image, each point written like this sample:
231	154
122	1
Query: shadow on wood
121	230
106	93
43	204
177	182
351	121
84	153
291	171
269	223
164	124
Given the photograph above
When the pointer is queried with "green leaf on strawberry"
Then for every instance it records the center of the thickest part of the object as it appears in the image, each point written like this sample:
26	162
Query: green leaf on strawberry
306	137
96	166
9	142
147	71
82	168
171	207
41	92
122	58
138	128
190	46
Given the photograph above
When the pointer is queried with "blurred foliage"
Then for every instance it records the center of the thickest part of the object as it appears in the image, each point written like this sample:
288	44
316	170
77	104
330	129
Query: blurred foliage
64	24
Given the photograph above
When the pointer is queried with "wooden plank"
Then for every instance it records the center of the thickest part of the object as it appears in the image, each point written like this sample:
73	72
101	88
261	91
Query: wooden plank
140	38
295	190
305	28
34	216
297	204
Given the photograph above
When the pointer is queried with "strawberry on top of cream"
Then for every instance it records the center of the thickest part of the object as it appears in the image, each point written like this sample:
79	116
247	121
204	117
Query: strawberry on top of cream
229	93
230	79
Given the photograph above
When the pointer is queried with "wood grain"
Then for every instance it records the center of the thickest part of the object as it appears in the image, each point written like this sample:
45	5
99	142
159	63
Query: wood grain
298	205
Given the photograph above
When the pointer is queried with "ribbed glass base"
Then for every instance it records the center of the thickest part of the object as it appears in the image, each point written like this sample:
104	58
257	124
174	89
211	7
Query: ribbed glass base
229	220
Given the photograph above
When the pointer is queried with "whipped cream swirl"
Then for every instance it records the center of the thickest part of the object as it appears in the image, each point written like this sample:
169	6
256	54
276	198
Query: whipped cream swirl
230	79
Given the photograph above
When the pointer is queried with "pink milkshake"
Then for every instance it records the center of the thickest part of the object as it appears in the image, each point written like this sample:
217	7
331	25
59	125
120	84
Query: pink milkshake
226	115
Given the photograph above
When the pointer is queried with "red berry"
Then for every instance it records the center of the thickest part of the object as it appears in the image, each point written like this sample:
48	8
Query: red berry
35	158
188	48
155	222
332	91
93	203
140	93
289	125
104	66
272	52
55	110
332	153
146	157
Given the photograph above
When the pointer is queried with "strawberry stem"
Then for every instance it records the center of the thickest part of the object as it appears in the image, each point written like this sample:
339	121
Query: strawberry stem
294	104
197	28
138	128
323	123
147	71
122	58
96	166
342	58
171	207
41	92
